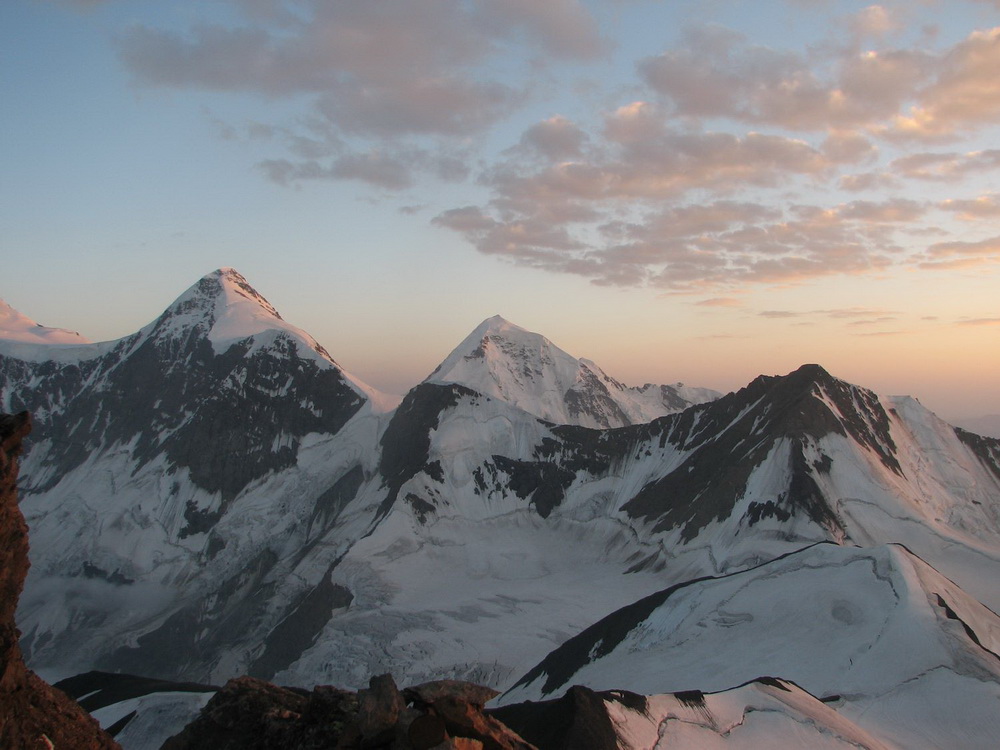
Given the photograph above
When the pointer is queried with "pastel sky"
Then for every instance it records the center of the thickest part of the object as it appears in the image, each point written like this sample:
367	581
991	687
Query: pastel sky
697	191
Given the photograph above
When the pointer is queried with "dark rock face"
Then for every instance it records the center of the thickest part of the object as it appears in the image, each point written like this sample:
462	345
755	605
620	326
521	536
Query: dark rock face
729	438
249	714
544	484
987	449
591	397
32	713
300	628
579	719
407	438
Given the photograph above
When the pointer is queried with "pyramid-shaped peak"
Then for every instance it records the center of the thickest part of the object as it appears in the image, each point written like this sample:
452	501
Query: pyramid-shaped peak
222	296
811	372
497	325
231	287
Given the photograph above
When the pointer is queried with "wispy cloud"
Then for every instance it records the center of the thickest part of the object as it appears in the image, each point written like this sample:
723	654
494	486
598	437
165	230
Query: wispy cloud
983	207
372	70
980	322
720	302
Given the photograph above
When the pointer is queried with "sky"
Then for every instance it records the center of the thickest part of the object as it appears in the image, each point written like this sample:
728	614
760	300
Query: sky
695	191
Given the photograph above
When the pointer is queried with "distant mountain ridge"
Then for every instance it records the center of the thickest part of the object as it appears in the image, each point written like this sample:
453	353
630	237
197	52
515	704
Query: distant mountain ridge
214	496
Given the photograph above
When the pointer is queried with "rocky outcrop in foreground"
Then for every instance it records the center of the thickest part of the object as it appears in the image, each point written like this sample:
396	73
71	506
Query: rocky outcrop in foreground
250	714
32	713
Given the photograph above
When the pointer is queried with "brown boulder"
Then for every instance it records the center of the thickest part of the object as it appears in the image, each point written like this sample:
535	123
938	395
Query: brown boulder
379	710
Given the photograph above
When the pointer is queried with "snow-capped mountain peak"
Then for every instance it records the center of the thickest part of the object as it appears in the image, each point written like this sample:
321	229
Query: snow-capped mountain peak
523	368
227	308
15	326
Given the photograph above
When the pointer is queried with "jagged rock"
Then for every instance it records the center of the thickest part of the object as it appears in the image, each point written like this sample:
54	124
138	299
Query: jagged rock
463	719
429	692
460	743
427	731
250	714
379	710
32	713
579	719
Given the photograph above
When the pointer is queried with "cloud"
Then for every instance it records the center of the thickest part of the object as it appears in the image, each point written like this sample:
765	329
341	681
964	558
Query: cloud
980	322
875	21
644	159
945	167
897	93
446	105
392	169
555	138
989	246
848	148
961	254
893	210
563	28
983	207
393	71
964	94
691	247
856	315
716	72
720	302
384	68
876	321
867	181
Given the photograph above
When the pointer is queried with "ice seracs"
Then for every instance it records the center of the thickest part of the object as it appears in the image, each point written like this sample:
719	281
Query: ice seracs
525	369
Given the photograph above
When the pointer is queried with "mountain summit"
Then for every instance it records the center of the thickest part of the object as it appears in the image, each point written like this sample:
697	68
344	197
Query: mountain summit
227	309
525	369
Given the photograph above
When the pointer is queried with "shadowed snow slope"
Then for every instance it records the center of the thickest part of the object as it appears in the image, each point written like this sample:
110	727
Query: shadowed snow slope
525	369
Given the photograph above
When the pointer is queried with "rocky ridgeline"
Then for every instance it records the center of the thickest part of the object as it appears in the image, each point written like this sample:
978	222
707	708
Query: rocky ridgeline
32	713
250	714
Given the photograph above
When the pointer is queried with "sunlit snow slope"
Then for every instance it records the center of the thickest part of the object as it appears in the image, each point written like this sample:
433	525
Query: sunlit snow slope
896	647
505	361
